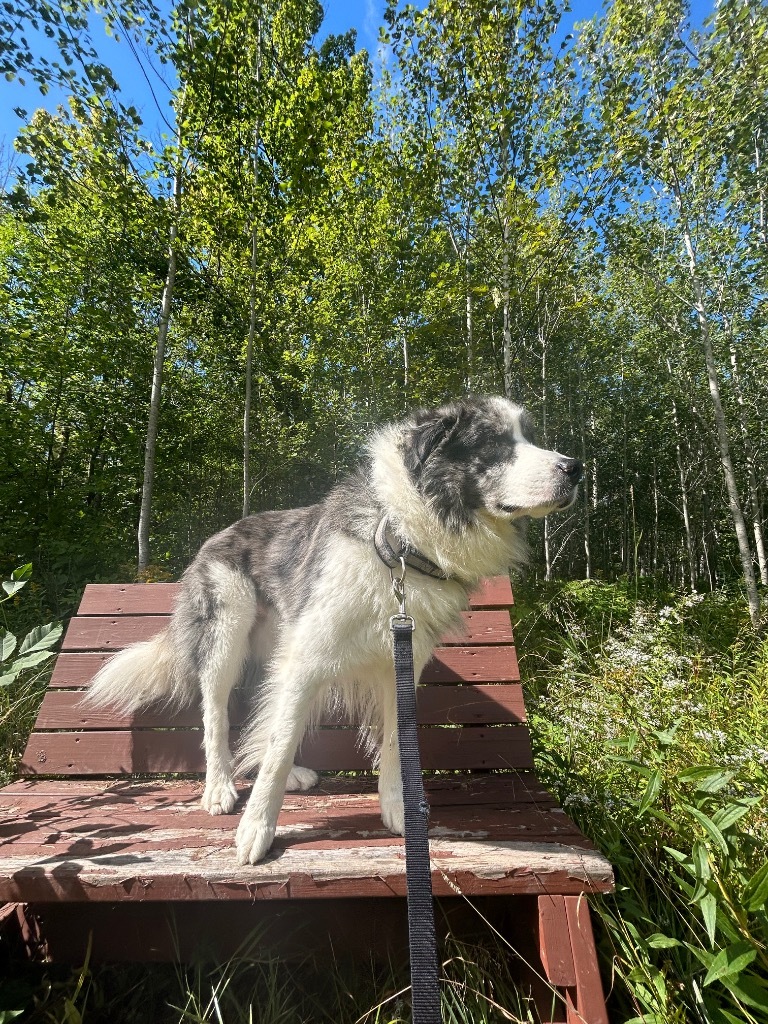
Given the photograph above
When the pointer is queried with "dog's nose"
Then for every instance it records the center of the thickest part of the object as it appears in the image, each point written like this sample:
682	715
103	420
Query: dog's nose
572	468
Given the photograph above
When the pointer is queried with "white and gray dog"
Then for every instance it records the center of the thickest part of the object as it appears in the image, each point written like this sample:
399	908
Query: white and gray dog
305	597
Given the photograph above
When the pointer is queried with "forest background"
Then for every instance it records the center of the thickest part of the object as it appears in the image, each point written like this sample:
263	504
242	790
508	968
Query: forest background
208	303
212	320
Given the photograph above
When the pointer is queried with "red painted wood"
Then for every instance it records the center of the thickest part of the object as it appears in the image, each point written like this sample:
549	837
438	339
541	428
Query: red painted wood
158	598
49	881
180	751
138	829
112	633
77	669
482	628
83	840
493	593
555	942
472	665
129	598
480	664
437	705
590	1001
104	841
502	790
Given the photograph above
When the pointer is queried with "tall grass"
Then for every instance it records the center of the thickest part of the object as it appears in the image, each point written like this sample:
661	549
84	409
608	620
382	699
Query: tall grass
650	718
255	987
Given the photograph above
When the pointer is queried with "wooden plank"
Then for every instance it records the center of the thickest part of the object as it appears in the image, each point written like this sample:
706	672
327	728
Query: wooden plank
179	751
129	598
493	593
555	942
77	669
457	789
480	664
590	1001
112	633
122	841
158	598
482	628
209	872
495	704
320	826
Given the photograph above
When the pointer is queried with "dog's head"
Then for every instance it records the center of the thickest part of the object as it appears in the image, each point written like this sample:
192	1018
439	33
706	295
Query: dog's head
478	455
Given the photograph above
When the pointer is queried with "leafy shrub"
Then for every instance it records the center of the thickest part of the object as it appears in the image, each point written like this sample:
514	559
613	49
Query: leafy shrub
651	723
21	666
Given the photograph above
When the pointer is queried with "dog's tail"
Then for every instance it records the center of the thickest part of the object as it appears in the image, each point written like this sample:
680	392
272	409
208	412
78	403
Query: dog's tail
142	674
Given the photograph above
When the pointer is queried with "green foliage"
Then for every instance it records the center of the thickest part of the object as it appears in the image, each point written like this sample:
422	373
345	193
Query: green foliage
651	717
17	659
22	675
256	985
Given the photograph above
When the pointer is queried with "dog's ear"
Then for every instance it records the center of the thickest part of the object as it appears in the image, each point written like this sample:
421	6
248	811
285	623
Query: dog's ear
429	436
431	430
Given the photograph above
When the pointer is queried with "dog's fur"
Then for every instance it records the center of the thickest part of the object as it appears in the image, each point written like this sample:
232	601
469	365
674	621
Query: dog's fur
303	595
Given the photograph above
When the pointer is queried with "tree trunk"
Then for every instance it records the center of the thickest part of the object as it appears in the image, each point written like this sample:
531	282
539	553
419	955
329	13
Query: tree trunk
249	378
252	303
157	381
507	333
683	492
587	499
469	332
734	502
754	494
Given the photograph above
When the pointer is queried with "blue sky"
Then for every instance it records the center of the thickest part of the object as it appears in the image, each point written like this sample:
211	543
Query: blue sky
340	15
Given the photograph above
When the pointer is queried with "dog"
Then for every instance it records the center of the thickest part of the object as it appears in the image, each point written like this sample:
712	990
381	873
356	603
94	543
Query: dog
301	600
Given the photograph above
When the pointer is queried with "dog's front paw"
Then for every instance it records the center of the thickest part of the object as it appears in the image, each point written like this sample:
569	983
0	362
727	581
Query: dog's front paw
393	813
301	779
253	840
220	796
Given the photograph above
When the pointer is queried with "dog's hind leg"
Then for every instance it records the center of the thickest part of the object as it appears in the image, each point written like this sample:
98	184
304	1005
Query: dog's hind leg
263	642
221	653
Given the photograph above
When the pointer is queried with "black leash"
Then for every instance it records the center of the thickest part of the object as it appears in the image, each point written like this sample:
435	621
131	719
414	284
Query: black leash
425	988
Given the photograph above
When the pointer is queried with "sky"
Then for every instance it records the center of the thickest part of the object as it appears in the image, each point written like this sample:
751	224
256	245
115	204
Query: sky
340	15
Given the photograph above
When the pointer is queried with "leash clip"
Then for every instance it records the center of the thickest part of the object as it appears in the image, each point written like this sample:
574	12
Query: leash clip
398	589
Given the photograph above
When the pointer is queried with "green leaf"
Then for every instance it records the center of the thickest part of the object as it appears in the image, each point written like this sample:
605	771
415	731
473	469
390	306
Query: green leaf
666	737
700	861
709	827
708	908
41	637
659	941
30	660
755	891
748	990
652	790
12	587
730	961
706	778
8	646
729	815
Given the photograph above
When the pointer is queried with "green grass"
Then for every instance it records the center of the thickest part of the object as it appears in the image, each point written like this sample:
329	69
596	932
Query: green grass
255	987
650	718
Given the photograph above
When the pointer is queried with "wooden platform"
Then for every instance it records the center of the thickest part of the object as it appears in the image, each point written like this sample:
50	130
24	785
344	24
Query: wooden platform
104	828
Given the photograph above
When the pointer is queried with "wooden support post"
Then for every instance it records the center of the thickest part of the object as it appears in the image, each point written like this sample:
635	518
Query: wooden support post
569	959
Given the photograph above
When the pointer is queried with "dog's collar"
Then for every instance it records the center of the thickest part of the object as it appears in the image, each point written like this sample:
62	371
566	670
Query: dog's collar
392	549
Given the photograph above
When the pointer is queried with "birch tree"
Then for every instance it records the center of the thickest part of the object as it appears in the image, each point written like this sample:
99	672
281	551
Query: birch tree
656	99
